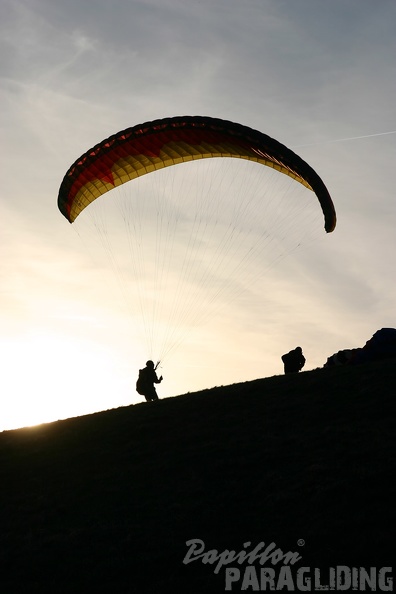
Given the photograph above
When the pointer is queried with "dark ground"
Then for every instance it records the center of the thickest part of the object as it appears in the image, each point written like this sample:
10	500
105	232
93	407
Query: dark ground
106	502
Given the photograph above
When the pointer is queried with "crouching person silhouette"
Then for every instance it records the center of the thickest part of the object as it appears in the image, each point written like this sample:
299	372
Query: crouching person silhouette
293	361
147	379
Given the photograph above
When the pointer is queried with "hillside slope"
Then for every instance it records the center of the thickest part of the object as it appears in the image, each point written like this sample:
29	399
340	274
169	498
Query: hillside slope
106	502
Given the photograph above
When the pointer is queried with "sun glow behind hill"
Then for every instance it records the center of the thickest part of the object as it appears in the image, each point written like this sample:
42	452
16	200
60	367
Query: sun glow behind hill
32	368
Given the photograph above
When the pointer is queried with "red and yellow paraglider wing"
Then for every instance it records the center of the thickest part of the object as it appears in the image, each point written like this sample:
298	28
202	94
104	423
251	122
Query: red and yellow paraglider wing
155	145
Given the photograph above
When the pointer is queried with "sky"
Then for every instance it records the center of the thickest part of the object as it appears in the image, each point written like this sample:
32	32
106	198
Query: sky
319	77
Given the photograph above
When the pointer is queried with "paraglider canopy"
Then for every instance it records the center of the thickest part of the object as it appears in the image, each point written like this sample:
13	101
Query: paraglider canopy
154	145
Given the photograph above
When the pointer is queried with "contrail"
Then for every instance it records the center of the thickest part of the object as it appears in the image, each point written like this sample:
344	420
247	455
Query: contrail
347	139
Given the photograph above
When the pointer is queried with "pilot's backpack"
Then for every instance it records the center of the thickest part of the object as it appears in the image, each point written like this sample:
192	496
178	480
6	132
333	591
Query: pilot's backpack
141	382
